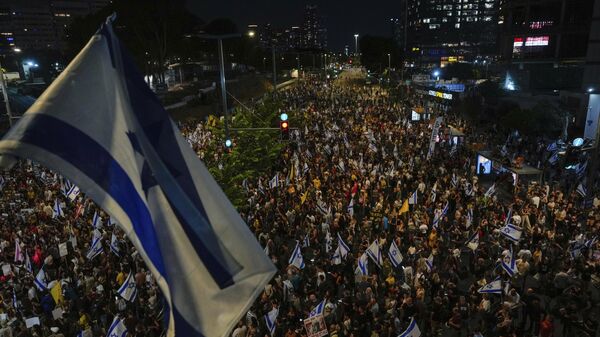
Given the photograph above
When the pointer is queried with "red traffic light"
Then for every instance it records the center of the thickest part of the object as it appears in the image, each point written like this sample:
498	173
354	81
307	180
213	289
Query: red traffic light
284	125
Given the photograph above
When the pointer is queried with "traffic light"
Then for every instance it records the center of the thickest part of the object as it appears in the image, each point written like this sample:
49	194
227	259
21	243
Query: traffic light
284	126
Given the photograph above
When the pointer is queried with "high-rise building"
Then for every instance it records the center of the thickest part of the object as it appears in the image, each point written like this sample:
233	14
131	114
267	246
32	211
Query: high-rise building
41	24
397	27
314	32
446	28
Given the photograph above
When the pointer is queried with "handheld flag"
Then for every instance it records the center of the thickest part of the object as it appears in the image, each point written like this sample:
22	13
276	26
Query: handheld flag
395	255
362	268
337	256
510	267
114	245
73	193
511	232
490	192
296	259
40	280
404	207
351	207
439	216
128	290
581	190
271	320
328	242
429	262
473	241
375	253
96	221
18	252
117	328
57	210
318	310
494	287
343	247
96	246
412	330
413	198
273	183
306	241
28	266
101	126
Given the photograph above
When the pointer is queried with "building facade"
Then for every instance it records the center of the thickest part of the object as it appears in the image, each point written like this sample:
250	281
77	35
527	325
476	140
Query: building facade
439	29
314	33
41	24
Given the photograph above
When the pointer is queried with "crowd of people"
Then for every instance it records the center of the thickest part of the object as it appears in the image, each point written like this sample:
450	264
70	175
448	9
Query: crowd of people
360	174
373	231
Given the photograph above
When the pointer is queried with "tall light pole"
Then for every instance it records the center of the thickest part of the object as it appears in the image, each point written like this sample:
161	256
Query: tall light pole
219	39
389	61
356	44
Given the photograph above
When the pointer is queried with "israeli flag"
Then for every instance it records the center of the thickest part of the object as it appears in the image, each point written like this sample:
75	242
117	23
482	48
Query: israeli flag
552	147
363	263
73	193
100	126
511	232
351	207
114	245
510	266
343	247
439	216
473	241
375	253
271	320
581	190
336	259
318	310
117	328
553	158
28	266
469	221
494	287
395	255
413	198
57	210
412	330
306	241
328	242
96	246
128	290
296	259
15	303
18	252
434	192
490	192
96	221
429	262
273	183
40	280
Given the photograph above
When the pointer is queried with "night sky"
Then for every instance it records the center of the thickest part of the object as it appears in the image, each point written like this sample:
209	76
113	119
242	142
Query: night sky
342	18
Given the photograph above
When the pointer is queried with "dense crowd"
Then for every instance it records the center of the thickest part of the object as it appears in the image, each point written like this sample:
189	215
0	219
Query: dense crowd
350	172
356	177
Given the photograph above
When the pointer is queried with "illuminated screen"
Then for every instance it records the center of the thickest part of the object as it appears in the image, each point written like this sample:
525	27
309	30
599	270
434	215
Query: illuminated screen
518	42
484	165
415	116
534	41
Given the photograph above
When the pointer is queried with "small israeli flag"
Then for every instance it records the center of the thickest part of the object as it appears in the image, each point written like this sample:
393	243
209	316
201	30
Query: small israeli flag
429	262
318	310
413	198
28	266
271	320
96	247
439	216
73	193
328	242
351	207
306	241
117	328
494	287
395	255
15	303
469	217
581	190
490	192
343	247
363	263
18	252
412	330
96	221
511	232
57	210
510	267
114	245
296	259
336	259
473	241
434	192
375	253
273	183
128	289
40	280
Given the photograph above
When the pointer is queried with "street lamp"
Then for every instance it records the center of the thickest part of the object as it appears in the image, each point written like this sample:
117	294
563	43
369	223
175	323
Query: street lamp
389	61
356	43
436	74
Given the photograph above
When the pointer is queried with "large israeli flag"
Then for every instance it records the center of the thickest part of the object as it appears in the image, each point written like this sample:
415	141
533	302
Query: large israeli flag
318	310
96	246
117	328
412	330
271	320
343	247
128	290
40	280
510	265
100	126
511	232
363	265
296	258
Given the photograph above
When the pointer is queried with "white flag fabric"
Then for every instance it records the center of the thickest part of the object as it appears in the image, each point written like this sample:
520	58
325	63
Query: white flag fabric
473	241
28	266
395	255
363	263
343	247
351	207
271	320
57	210
117	328
96	220
510	265
328	242
18	252
494	287
318	310
73	192
336	259
114	245
491	191
296	259
273	183
100	126
429	262
412	330
413	198
511	232
375	253
128	290
96	246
